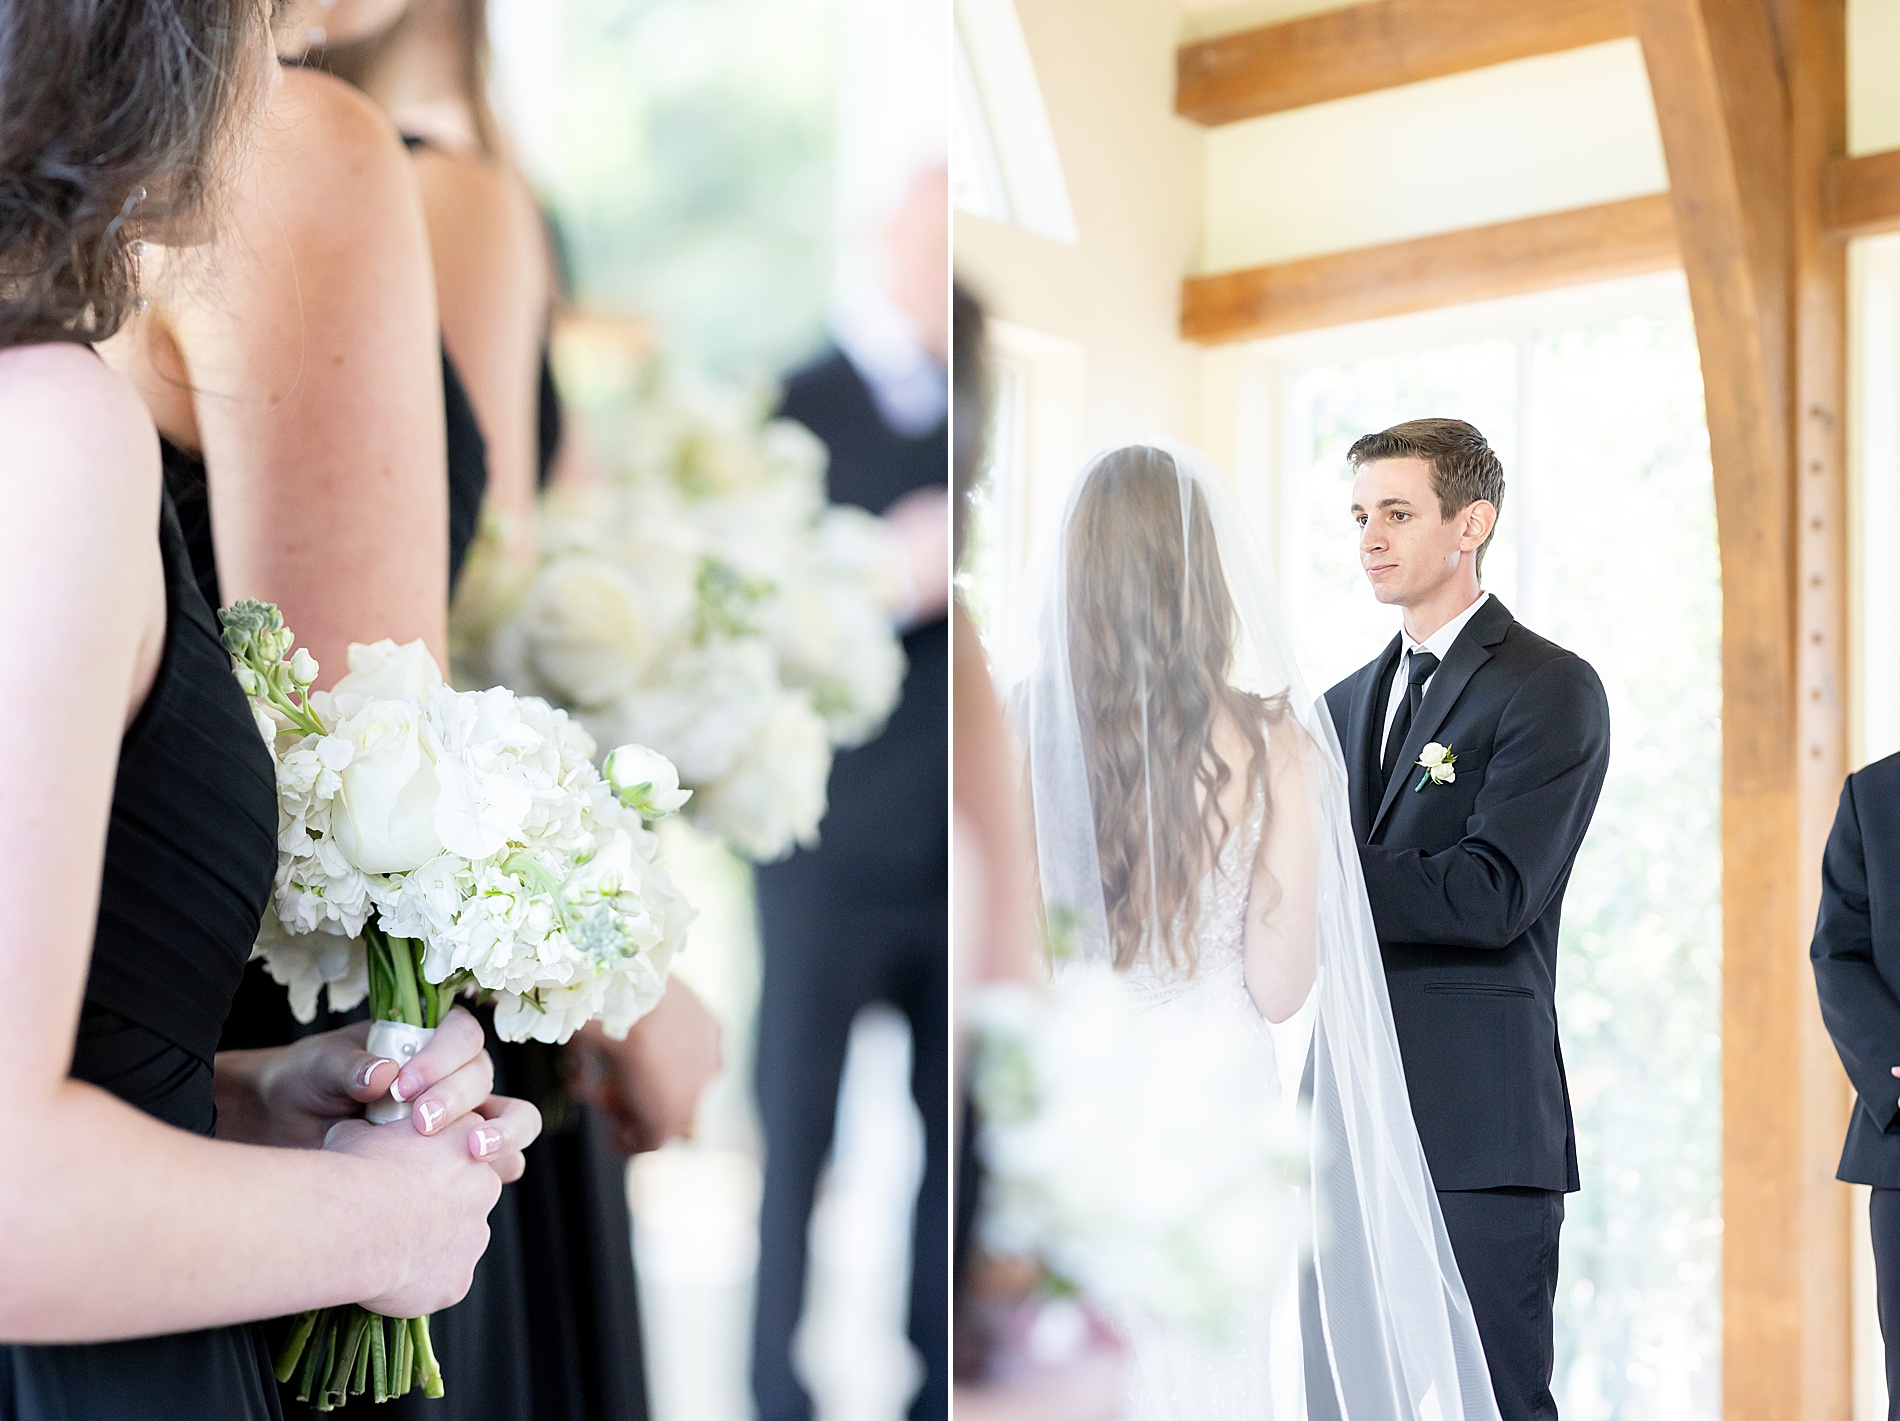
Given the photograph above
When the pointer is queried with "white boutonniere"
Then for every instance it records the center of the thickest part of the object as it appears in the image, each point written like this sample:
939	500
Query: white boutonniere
1436	761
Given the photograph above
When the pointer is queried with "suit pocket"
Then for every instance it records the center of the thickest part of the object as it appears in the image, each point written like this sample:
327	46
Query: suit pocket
1477	989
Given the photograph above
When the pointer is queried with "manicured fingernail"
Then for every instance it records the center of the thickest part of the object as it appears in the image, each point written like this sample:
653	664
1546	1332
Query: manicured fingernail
431	1113
487	1142
400	1092
369	1068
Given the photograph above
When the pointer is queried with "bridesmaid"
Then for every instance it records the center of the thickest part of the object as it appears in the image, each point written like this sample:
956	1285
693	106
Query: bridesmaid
563	1339
136	834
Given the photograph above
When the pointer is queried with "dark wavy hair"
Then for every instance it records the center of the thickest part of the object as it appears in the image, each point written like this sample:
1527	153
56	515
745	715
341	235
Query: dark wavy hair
1151	645
114	115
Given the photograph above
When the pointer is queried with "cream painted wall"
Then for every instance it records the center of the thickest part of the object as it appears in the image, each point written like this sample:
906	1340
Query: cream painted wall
1203	18
1134	171
1873	75
1462	151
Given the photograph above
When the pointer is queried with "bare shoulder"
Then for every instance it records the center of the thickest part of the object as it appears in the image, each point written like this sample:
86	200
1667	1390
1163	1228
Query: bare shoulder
325	118
72	427
79	489
489	210
327	153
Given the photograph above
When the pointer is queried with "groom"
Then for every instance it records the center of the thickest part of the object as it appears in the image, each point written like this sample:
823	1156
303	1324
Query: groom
1476	751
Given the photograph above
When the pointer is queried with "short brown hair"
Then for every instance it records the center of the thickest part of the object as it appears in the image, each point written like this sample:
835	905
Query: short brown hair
1464	466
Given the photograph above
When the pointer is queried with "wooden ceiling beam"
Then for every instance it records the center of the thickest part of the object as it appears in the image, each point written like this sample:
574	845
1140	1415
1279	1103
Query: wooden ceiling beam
1864	194
1378	45
1477	264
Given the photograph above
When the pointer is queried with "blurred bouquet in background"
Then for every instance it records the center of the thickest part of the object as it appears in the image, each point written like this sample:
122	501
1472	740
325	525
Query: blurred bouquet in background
702	598
1137	1158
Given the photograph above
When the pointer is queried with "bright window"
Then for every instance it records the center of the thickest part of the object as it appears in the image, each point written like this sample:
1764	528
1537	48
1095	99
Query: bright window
1607	545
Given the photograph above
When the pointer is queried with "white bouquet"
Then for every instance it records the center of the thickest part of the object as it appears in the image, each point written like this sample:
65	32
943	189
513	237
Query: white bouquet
431	842
706	602
1140	1159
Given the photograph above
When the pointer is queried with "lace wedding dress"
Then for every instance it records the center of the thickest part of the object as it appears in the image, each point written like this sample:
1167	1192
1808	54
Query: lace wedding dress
1173	1374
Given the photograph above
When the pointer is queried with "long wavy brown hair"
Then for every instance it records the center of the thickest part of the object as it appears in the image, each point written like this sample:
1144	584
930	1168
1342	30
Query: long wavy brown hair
1151	644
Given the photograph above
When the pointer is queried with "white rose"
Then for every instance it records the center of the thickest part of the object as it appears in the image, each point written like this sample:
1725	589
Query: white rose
379	670
383	818
1432	754
645	780
596	626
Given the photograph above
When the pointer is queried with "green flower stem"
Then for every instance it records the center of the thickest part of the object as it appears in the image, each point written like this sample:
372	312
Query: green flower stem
429	1370
403	1369
359	1376
402	959
379	1360
293	1348
340	1352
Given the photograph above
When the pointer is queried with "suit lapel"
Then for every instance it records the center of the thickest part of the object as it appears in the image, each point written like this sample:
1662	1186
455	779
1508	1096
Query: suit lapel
1363	735
1470	651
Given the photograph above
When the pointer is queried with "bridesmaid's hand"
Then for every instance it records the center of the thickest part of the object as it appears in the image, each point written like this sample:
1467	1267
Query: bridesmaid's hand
292	1095
649	1084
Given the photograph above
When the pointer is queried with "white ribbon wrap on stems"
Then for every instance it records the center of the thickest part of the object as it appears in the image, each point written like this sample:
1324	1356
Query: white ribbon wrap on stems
396	1041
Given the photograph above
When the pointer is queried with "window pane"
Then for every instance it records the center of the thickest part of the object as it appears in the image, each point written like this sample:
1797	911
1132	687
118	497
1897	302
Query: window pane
1607	546
1623	512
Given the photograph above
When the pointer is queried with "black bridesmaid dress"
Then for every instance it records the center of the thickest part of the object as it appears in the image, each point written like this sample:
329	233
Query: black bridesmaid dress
190	851
550	1329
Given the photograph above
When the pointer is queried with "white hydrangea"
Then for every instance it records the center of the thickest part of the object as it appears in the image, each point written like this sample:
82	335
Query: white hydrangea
1138	1155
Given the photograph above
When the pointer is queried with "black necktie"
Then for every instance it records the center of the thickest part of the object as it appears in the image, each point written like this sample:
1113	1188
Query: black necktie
1419	666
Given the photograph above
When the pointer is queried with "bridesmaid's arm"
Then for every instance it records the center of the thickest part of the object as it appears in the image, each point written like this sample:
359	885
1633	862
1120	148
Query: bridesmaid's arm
113	1224
313	347
493	288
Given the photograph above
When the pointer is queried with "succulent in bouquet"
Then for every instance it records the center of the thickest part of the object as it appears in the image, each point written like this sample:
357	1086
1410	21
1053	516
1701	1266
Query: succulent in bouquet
435	842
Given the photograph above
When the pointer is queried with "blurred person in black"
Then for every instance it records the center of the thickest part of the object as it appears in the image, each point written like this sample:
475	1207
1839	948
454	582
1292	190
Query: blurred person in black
996	926
862	918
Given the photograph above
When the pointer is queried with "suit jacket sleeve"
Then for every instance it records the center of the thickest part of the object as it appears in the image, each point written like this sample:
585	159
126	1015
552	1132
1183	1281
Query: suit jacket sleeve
1540	790
1859	1008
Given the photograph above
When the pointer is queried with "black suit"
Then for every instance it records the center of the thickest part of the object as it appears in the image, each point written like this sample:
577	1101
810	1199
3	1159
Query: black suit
1856	956
1466	881
859	919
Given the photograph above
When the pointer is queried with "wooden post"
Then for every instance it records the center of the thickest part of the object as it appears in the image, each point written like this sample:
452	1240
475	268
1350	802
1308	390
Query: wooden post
1814	43
1749	100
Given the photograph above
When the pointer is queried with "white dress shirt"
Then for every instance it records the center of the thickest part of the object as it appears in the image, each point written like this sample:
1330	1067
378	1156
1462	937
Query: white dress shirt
909	385
1438	644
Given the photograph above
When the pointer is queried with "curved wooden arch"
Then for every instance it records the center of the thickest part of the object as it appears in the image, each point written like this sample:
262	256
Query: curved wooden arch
1750	95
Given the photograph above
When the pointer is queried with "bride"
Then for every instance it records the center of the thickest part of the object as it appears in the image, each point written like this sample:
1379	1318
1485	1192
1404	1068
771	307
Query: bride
1192	826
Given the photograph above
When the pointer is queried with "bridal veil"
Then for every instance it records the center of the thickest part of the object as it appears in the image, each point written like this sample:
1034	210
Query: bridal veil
1386	1328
